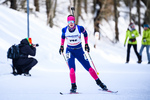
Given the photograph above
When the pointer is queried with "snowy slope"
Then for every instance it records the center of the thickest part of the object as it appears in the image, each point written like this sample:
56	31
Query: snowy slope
51	75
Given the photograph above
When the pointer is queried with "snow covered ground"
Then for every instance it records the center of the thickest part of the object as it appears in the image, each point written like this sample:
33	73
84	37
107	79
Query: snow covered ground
51	75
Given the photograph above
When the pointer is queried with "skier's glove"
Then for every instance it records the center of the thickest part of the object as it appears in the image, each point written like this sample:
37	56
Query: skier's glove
87	48
61	50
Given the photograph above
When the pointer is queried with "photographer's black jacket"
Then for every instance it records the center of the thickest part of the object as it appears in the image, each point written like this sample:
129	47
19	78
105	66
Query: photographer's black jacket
25	62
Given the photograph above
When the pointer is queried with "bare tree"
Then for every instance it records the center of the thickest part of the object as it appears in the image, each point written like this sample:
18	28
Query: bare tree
50	10
22	4
130	10
48	6
77	5
85	6
102	10
36	4
55	5
116	20
13	4
97	17
147	13
139	18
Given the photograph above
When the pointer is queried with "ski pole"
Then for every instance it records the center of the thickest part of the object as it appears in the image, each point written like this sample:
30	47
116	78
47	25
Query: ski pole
65	59
93	64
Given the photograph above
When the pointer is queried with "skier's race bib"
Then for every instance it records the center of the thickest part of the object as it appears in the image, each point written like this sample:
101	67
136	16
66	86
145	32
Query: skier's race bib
73	38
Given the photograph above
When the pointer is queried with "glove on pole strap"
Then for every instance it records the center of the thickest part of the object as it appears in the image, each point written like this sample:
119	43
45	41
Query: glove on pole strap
61	50
87	48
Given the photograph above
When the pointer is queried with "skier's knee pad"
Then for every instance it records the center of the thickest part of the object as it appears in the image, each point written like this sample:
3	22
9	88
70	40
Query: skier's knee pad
93	73
72	71
91	69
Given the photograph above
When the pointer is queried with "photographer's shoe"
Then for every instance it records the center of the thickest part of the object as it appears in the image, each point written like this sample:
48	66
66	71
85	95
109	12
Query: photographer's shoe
25	74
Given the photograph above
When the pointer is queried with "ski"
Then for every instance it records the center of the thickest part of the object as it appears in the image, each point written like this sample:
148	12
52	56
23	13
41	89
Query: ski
69	93
110	91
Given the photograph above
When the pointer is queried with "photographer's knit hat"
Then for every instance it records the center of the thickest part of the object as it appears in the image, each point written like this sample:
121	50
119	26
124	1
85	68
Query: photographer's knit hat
29	40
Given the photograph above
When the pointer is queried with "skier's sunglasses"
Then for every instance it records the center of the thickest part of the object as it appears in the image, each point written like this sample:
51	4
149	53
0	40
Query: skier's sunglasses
70	22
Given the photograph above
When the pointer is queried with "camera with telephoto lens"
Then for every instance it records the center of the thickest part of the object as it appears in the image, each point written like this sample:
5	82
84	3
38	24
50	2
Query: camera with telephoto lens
35	45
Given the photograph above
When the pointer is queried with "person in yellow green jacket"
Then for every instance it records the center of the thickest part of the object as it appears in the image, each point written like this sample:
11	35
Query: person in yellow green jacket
146	41
131	33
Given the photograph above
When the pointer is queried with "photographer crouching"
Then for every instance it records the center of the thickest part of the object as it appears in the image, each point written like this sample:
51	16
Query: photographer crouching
24	64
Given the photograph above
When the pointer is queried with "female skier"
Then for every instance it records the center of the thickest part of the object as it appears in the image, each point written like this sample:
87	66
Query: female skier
72	33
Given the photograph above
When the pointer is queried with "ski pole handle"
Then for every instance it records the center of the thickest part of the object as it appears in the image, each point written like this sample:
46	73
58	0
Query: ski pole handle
93	63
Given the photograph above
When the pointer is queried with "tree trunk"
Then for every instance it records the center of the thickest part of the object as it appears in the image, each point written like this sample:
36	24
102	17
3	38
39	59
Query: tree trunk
147	13
36	4
55	5
79	8
97	18
85	6
116	20
77	11
49	12
50	15
94	6
23	4
139	18
130	10
51	8
47	7
13	4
